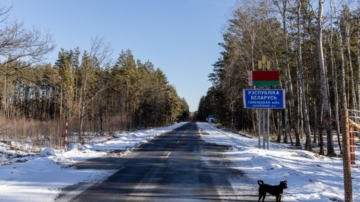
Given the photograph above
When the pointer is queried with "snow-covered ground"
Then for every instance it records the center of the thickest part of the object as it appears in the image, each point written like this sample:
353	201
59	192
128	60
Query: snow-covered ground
310	177
34	178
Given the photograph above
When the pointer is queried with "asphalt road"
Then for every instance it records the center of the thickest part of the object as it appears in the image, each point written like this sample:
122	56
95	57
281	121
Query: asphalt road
175	166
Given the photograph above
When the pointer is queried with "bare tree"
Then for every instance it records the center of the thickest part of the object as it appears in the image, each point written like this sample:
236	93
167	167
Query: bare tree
99	57
323	80
302	86
347	24
334	74
18	42
288	82
100	52
318	15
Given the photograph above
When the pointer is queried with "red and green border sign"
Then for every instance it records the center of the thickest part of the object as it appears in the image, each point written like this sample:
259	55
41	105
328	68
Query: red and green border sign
264	78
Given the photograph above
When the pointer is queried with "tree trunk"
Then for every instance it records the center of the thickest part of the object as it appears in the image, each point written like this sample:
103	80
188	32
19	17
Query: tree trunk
302	87
82	111
343	77
335	85
4	97
61	105
290	93
288	88
323	80
279	127
358	59
315	122
320	128
347	40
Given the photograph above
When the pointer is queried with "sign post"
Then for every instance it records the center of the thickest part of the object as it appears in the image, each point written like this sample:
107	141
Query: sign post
262	99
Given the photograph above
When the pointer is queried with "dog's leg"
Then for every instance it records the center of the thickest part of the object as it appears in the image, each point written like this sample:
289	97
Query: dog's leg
261	195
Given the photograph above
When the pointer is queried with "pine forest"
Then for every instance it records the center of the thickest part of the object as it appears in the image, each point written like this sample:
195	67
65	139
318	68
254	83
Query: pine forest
95	93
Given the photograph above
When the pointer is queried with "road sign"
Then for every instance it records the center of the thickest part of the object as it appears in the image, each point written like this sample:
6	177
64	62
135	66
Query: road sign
264	98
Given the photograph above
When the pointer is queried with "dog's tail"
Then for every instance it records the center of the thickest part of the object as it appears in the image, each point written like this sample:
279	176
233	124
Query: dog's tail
260	182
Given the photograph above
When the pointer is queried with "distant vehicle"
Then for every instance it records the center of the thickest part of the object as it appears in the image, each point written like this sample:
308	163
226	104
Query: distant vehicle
210	118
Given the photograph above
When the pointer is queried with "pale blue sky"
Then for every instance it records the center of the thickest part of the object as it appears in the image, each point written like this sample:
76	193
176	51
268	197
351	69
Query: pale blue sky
179	36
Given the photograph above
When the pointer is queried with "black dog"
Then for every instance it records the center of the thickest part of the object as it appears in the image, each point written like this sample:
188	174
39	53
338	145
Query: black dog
273	190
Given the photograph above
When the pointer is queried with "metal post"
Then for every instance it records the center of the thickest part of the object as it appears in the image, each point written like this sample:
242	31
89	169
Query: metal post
259	123
346	157
268	129
352	145
263	127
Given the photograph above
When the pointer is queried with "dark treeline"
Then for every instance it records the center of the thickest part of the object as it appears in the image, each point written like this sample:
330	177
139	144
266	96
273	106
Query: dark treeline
317	54
123	96
93	93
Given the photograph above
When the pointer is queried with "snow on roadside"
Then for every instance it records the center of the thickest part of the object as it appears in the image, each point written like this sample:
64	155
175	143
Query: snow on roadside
310	177
40	177
121	142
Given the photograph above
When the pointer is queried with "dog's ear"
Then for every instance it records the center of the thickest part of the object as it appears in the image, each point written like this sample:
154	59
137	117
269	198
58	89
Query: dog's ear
284	184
